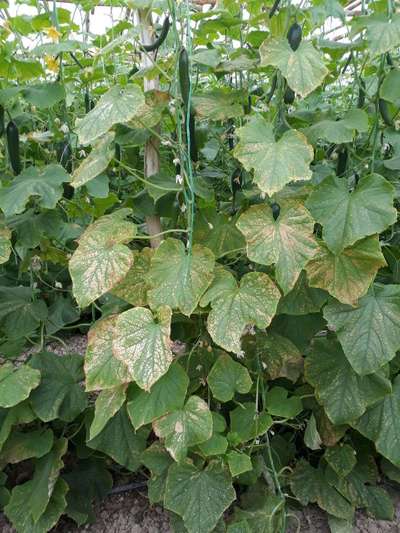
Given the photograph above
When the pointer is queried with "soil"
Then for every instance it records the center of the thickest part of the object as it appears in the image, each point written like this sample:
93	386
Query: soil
130	512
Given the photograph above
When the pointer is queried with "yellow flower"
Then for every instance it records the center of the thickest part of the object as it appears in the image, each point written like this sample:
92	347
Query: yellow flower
53	34
51	63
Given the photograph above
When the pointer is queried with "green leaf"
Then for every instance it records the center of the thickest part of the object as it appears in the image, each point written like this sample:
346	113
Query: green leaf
348	275
275	163
142	342
95	163
120	441
344	394
218	105
177	279
277	403
133	288
310	486
20	414
288	242
339	525
108	402
165	396
20	312
16	383
247	423
199	496
382	34
227	377
368	332
338	131
342	458
16	510
102	259
44	183
217	232
239	463
185	427
303	69
302	299
21	446
102	369
5	245
33	497
209	57
88	482
157	460
44	95
348	216
234	307
278	356
60	394
266	517
217	444
381	424
118	105
312	438
389	89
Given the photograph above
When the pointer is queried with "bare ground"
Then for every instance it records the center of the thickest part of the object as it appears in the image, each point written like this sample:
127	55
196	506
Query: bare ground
131	512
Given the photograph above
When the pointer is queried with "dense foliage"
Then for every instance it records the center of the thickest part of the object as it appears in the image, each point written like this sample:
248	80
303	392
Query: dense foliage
213	201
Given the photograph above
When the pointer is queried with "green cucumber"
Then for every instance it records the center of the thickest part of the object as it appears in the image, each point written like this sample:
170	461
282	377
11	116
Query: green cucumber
12	134
342	162
294	36
384	111
184	78
361	94
289	96
160	39
2	127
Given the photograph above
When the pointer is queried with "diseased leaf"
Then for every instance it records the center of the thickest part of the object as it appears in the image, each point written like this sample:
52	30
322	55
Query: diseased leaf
348	275
312	438
338	131
142	342
382	34
226	377
275	163
217	231
16	383
344	394
185	427
165	396
218	105
369	332
157	460
302	299
348	216
177	279
60	394
102	259
309	485
239	463
381	424
342	458
278	356
199	496
102	369
288	242
303	69
45	184
120	441
134	286
234	307
118	105
95	163
5	245
108	402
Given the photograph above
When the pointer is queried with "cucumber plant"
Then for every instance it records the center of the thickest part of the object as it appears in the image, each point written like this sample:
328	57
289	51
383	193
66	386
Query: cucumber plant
215	210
